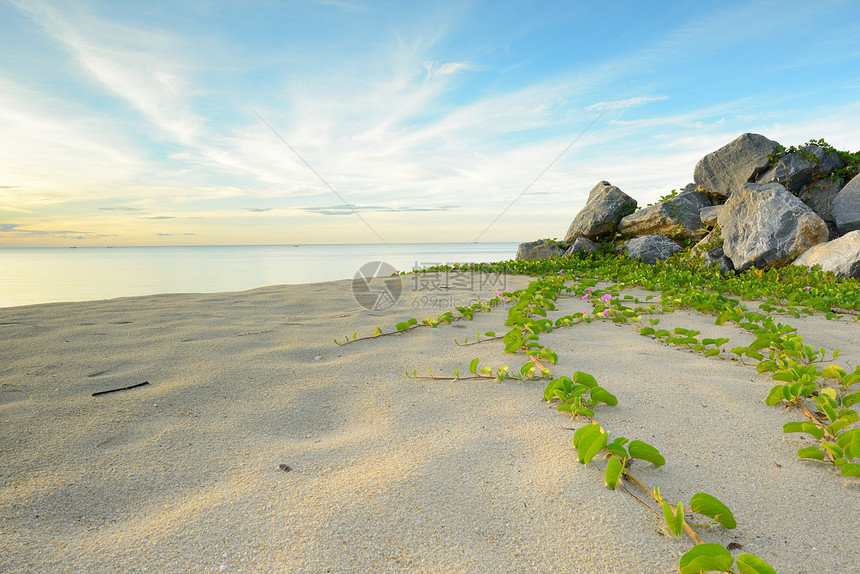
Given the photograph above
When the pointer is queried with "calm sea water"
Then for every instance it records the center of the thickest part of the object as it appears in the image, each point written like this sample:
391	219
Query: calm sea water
50	274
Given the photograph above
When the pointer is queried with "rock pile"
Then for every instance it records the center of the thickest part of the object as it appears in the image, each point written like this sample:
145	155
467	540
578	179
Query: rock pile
749	206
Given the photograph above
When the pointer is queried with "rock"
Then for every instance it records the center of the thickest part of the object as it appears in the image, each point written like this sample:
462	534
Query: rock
846	207
709	214
605	207
541	249
711	250
691	187
674	217
722	172
794	171
819	196
651	248
582	245
765	226
841	256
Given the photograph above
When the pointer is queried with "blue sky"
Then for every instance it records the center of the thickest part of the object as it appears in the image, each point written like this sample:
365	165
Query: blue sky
147	123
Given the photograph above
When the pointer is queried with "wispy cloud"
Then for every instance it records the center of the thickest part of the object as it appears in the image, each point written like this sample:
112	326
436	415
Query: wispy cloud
138	65
623	104
351	209
13	231
448	68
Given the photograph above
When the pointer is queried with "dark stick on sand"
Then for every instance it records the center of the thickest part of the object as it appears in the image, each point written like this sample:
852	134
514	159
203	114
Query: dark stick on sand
121	389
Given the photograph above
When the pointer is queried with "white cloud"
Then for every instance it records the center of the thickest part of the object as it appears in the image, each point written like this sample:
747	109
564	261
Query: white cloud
623	104
448	68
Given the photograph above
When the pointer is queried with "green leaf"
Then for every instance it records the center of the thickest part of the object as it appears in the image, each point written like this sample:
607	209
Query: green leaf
850	469
604	396
837	426
591	442
811	452
851	400
815	430
582	431
583	411
834	450
645	451
709	506
752	564
674	518
833	372
377	332
473	366
549	355
581	378
613	472
754	354
804	426
513	346
775	395
765	366
646	331
704	558
849	441
527	369
784	376
616	447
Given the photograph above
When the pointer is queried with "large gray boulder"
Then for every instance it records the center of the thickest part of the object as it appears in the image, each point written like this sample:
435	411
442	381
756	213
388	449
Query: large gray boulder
582	245
651	248
599	217
841	256
674	217
819	196
795	170
541	249
723	171
846	207
765	226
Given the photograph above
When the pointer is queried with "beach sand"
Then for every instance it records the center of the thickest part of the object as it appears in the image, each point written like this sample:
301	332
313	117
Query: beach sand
387	473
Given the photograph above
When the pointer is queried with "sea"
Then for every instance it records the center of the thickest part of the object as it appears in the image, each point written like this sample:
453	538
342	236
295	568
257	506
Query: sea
32	275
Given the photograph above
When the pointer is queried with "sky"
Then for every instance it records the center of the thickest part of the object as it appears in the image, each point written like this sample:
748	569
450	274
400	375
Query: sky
360	121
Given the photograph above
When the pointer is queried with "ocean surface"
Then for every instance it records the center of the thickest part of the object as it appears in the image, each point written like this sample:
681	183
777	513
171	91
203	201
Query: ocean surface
51	274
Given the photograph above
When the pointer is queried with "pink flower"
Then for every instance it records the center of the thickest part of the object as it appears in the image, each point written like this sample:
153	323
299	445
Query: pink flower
606	313
585	297
589	289
606	297
807	287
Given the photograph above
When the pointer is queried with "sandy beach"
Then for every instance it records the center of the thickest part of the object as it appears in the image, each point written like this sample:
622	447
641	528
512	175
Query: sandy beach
386	473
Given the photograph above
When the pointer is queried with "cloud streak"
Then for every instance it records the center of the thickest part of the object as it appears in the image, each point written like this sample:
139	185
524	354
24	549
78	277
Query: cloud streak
351	209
